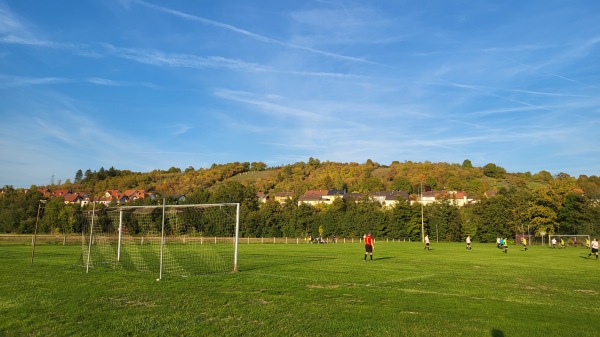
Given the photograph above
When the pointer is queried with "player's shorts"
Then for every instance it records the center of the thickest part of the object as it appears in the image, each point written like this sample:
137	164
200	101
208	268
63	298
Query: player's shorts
368	248
594	250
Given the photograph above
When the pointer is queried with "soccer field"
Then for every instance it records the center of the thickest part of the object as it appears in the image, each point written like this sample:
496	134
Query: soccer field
310	290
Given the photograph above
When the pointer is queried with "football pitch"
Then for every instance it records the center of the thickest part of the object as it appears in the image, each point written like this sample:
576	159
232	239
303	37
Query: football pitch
310	290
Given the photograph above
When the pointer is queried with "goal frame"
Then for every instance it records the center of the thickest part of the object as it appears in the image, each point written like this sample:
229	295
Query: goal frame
550	236
122	209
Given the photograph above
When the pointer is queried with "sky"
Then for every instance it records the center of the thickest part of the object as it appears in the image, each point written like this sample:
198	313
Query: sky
146	85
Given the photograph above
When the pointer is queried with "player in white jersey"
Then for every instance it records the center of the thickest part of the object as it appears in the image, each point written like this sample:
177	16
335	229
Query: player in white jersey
594	249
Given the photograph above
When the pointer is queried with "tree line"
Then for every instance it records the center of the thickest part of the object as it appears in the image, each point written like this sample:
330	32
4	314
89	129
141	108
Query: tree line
558	207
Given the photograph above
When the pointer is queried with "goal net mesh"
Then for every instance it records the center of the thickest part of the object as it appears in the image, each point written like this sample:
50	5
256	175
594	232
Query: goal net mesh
579	240
171	240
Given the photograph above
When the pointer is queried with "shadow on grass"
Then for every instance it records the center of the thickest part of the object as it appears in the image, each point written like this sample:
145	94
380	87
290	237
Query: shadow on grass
383	258
497	333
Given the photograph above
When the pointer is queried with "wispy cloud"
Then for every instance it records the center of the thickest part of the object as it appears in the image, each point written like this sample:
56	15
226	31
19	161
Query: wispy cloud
249	34
266	106
158	58
20	81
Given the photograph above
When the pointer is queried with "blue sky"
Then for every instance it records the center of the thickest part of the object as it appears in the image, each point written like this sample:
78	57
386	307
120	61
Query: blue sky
144	85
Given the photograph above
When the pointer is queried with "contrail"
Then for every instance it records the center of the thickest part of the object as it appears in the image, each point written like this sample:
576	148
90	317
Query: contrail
250	34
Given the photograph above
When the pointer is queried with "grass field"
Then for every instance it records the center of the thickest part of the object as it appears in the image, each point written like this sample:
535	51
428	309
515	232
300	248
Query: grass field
310	290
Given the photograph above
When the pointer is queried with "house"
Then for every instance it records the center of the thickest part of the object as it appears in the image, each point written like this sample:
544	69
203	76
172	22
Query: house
389	198
428	197
45	192
311	199
314	197
262	197
141	194
332	195
282	197
112	194
176	197
103	200
60	193
355	196
130	193
456	198
122	198
86	199
73	198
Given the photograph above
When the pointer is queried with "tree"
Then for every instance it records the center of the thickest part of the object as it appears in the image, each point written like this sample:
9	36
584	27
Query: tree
401	184
430	181
491	217
444	221
78	176
542	211
405	221
467	164
493	171
572	216
258	166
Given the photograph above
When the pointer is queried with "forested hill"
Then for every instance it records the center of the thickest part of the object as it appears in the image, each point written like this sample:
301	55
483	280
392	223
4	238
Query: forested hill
539	203
301	176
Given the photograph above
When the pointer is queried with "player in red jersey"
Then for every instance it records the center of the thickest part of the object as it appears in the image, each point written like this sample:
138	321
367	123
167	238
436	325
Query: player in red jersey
368	246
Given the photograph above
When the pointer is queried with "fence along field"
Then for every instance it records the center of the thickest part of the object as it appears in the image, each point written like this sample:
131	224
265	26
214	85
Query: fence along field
310	290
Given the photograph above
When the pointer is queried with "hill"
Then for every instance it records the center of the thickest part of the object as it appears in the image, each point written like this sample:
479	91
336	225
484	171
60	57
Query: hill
314	174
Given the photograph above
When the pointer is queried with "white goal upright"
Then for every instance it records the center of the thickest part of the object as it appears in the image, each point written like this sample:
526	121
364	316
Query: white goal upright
178	240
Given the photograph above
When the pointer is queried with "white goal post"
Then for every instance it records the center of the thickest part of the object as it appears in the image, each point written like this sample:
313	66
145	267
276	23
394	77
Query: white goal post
566	237
179	240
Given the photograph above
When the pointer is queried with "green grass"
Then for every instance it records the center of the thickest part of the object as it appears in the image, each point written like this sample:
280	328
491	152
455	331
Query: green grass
310	290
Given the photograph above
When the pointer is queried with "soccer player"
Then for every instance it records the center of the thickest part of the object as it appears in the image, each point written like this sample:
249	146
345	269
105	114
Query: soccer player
594	249
368	246
562	243
426	242
553	242
469	243
587	242
524	240
505	245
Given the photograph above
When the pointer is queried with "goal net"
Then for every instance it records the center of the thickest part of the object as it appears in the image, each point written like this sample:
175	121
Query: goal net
178	240
569	240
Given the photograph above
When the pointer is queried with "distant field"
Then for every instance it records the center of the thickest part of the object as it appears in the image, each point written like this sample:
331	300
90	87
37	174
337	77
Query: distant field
310	290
